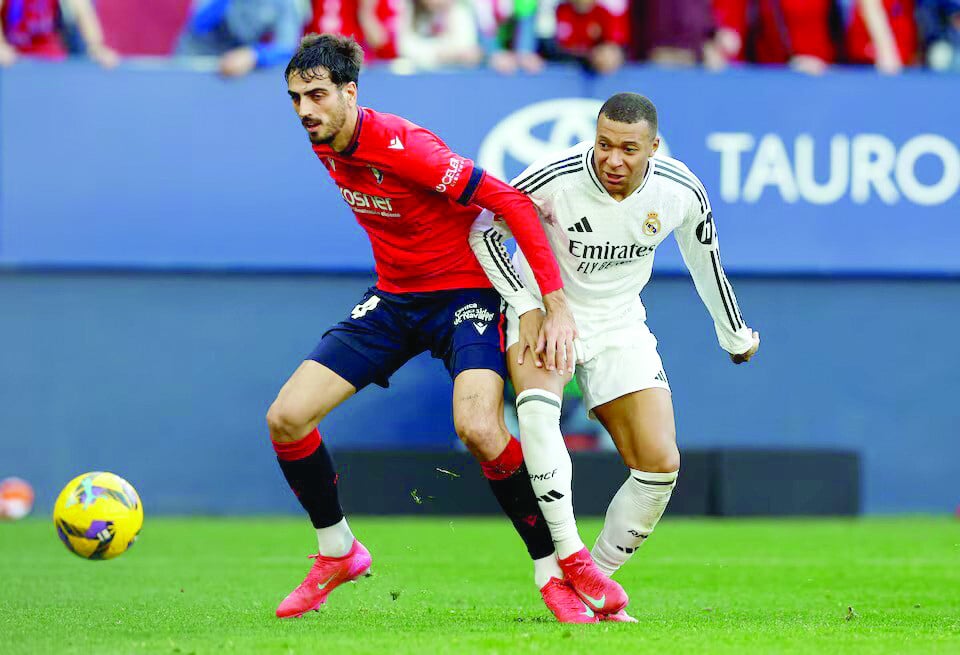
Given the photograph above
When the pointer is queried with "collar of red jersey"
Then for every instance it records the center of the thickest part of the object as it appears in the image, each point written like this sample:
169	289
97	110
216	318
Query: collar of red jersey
325	149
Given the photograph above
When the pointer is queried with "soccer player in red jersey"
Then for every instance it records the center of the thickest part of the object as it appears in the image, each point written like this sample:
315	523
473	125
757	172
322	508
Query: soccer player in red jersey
417	200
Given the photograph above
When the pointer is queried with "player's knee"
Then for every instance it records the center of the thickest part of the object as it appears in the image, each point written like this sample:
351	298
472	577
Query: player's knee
284	424
663	459
481	436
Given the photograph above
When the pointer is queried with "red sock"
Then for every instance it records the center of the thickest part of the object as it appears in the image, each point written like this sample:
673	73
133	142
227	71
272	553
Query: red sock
303	447
506	463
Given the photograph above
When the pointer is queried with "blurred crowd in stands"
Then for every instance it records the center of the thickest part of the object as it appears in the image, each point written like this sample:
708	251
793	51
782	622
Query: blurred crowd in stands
506	35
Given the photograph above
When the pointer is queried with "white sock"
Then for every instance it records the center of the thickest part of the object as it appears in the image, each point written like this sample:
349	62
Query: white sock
631	517
546	568
335	541
549	465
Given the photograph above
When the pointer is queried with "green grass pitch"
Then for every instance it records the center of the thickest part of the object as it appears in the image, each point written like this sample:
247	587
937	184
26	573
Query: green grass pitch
458	585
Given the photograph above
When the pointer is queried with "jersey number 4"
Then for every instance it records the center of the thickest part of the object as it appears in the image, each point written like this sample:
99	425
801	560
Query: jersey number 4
361	310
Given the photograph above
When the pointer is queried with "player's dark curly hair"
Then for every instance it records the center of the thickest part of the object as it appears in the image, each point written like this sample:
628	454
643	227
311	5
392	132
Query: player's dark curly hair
341	56
630	108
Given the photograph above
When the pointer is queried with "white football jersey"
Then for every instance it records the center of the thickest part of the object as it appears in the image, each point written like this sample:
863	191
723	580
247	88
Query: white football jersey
605	247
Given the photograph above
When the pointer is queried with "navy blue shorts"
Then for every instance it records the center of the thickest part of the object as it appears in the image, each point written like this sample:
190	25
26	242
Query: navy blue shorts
461	327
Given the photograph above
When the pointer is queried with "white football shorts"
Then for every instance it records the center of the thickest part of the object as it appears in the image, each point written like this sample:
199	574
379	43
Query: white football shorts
610	364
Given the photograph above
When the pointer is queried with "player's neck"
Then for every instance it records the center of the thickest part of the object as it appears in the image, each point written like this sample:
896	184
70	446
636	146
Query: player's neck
345	136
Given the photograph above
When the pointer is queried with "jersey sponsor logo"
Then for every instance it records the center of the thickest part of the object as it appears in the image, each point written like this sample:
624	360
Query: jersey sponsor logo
452	175
601	257
539	130
364	203
479	316
651	226
705	230
395	144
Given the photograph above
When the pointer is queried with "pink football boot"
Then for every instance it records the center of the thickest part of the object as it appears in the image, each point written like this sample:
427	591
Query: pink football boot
565	604
619	617
600	593
327	574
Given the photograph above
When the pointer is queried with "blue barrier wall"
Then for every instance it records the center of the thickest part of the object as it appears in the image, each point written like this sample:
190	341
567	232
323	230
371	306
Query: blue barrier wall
851	172
166	378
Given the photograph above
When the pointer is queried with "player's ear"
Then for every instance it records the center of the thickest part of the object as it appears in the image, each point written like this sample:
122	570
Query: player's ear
655	145
350	90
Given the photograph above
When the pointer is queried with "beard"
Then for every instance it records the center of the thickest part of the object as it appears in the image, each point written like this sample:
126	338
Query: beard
336	122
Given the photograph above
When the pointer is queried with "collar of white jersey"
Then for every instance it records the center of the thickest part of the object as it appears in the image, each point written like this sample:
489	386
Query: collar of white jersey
588	164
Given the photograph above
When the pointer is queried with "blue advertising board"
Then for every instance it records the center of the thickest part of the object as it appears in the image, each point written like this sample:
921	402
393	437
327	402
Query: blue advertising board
849	173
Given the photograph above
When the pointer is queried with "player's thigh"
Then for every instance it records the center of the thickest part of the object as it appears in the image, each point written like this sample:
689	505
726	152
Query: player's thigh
478	412
310	394
527	376
642	426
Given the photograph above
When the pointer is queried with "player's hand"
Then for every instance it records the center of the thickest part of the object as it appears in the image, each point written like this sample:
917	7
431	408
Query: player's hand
745	357
238	62
530	326
557	334
8	56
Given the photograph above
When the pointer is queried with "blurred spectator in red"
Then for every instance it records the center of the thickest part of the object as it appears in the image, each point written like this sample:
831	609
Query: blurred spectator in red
880	32
794	32
939	22
509	33
143	27
31	28
373	23
244	34
675	33
589	33
437	33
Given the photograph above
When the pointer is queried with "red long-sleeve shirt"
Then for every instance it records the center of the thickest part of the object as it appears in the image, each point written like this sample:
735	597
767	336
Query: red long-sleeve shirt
417	199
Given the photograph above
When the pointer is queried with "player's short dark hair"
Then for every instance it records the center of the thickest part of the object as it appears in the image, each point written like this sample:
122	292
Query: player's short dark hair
630	108
341	56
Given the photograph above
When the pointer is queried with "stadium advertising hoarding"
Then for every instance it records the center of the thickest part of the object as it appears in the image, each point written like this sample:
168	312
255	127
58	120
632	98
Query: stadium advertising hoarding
847	173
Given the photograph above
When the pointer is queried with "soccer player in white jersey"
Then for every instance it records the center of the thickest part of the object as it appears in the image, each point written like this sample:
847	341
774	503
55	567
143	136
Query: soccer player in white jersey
606	206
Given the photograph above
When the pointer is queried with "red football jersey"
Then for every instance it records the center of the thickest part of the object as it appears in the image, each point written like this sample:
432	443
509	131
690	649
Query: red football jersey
579	33
414	197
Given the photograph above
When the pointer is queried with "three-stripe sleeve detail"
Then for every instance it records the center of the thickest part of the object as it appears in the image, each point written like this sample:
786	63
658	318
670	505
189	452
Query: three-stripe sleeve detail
493	241
685	182
722	287
526	180
697	187
549	176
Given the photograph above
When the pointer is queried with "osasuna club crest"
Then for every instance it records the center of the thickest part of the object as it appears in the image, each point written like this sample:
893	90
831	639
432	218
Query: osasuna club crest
377	175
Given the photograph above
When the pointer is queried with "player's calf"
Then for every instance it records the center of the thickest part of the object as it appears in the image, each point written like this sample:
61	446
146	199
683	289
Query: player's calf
631	517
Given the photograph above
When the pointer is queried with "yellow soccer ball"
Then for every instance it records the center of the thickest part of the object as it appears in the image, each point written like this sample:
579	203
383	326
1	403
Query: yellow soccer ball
98	515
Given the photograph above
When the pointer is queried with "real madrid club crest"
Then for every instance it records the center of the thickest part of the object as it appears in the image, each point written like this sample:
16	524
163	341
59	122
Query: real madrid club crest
651	226
378	176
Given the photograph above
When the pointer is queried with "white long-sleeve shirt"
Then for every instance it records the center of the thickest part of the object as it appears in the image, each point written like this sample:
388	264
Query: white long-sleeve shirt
605	248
